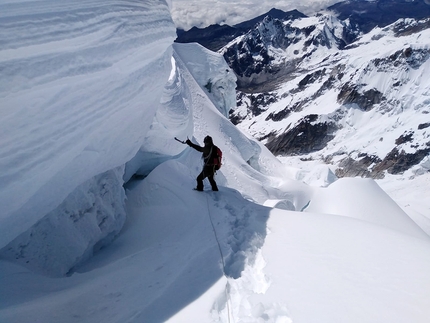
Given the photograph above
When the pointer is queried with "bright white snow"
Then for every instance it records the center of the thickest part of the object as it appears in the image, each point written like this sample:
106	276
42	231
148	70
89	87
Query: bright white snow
78	81
92	93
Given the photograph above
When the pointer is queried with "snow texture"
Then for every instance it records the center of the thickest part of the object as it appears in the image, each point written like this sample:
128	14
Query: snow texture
74	88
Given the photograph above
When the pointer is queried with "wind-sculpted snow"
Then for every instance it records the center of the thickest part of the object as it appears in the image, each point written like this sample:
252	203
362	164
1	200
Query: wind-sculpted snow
79	86
212	73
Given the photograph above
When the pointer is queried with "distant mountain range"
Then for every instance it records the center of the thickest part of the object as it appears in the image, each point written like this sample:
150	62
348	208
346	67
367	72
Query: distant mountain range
348	86
364	15
217	36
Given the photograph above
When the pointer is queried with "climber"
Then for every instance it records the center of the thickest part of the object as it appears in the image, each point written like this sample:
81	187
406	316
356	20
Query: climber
210	158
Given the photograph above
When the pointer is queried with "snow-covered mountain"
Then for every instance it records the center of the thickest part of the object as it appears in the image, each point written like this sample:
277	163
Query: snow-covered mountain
98	219
306	90
269	53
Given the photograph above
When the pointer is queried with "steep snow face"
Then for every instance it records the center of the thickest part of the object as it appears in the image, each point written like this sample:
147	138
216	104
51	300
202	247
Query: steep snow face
212	73
79	88
364	109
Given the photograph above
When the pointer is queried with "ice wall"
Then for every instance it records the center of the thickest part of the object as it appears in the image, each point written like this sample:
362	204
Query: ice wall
80	84
87	220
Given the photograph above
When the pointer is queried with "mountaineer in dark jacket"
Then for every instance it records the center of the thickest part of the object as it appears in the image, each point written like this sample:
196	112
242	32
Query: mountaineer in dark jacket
209	153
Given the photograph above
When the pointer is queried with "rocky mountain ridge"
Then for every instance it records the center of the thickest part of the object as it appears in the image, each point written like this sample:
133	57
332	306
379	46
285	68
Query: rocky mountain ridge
273	51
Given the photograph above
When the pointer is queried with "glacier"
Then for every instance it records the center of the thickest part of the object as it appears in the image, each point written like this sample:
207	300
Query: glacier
99	222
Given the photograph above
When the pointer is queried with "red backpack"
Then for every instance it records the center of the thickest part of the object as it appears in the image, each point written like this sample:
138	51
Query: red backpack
218	158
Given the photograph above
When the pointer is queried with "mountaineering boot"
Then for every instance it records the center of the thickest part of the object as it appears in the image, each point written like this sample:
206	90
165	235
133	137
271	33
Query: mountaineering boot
199	186
213	183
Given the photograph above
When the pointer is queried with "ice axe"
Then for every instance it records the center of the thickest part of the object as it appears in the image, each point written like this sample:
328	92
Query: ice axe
181	141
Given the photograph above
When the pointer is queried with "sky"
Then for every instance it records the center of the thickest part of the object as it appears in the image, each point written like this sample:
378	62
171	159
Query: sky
202	13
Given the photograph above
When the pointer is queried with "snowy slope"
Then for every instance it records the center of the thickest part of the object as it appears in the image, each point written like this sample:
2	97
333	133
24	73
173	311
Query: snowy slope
244	254
166	265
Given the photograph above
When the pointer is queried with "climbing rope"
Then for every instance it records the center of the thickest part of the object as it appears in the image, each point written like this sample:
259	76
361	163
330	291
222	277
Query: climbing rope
222	260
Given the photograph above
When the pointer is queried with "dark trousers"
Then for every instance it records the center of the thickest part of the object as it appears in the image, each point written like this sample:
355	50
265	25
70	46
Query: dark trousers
209	172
